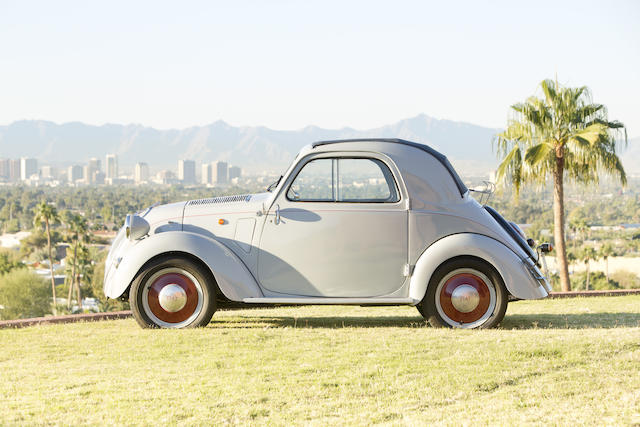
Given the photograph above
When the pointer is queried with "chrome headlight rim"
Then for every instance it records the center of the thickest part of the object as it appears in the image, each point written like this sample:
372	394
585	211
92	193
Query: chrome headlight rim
135	227
127	226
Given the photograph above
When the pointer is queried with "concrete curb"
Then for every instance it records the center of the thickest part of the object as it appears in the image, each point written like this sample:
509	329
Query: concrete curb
70	318
609	293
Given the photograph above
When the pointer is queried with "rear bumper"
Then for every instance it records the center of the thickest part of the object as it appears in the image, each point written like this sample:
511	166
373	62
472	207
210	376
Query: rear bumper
537	275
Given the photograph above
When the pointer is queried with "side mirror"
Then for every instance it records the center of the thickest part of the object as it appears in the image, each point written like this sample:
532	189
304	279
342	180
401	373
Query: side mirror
294	194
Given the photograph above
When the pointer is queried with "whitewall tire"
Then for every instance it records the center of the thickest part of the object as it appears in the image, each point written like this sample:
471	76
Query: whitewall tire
173	293
465	293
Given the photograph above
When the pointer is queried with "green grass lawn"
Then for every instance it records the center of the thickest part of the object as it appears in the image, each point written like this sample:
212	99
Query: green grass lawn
566	361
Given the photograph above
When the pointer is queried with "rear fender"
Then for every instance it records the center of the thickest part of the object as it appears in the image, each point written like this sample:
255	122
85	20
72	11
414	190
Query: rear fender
232	276
517	278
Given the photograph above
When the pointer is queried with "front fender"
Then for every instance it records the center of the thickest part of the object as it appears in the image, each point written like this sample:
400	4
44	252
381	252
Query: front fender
517	278
232	276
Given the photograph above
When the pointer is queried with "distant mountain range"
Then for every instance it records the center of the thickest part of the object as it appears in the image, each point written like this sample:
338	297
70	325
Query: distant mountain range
255	149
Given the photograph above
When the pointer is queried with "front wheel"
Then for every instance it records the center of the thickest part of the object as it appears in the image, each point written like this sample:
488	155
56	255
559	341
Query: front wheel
465	293
172	293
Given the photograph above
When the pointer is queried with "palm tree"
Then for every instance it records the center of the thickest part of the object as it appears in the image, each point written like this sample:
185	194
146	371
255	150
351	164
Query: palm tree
78	227
588	254
571	257
560	133
83	269
606	251
579	226
47	214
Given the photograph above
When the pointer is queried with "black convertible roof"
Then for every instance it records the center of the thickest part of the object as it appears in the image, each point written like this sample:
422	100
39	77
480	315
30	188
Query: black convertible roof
438	155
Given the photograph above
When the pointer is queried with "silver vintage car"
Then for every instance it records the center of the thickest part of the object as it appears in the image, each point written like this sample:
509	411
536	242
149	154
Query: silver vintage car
363	222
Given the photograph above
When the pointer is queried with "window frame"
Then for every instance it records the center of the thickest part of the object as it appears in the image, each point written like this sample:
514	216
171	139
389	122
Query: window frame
390	180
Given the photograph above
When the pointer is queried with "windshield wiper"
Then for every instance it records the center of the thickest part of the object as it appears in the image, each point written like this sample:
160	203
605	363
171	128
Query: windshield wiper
274	185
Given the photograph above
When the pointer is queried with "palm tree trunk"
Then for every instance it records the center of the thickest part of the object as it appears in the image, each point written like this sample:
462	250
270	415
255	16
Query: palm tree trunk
73	269
53	281
558	224
587	287
78	291
69	294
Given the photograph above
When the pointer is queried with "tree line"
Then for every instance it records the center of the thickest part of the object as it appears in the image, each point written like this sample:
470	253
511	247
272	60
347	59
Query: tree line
72	217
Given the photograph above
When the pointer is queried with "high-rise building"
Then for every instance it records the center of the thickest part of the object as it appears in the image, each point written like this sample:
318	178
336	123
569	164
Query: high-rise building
48	172
74	173
111	166
28	167
14	170
187	171
98	177
220	172
165	177
94	168
5	168
207	174
141	174
234	172
95	163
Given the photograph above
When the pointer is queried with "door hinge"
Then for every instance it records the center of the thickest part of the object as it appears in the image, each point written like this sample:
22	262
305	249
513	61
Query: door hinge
407	270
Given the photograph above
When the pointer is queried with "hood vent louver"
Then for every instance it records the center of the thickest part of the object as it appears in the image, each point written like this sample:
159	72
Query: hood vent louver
220	200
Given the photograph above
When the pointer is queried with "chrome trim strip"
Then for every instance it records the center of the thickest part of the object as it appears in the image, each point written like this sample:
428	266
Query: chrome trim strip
338	301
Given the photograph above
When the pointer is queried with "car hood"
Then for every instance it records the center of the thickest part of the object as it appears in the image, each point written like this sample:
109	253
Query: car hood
164	213
246	203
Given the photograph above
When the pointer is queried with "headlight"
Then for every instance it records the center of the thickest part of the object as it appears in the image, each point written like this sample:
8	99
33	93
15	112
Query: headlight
135	227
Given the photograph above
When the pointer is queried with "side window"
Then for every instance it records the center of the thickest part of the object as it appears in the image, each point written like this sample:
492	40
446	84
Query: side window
347	180
365	180
314	182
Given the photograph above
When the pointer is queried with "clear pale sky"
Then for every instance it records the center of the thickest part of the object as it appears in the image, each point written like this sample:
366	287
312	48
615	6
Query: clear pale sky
288	64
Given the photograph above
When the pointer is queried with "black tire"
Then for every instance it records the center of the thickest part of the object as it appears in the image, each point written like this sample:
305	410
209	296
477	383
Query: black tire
198	287
480	290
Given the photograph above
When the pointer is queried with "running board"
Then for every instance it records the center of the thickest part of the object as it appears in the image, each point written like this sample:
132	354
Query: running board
331	301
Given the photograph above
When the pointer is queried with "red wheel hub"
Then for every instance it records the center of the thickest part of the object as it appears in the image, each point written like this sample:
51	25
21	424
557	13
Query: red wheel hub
465	298
189	288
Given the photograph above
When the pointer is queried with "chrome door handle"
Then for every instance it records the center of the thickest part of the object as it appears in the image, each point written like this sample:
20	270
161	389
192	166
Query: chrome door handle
277	219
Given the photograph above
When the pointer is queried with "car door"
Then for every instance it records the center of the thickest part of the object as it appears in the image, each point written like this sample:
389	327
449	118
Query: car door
338	228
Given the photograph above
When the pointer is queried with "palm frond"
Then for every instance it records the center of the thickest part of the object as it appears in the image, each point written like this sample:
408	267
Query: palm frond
538	153
511	168
564	122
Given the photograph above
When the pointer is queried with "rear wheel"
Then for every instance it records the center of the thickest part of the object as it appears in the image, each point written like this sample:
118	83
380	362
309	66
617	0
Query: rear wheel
465	293
173	293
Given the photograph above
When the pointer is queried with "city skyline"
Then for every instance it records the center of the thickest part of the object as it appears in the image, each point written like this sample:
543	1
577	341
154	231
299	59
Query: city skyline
27	170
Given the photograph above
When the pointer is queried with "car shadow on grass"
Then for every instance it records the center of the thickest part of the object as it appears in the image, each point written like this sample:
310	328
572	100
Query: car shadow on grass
321	322
571	321
513	321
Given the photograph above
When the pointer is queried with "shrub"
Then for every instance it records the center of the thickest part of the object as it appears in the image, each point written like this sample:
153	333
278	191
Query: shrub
597	281
626	279
23	294
12	226
9	260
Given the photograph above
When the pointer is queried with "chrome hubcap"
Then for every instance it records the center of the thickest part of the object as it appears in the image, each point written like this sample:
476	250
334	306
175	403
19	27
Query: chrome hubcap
172	298
465	298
